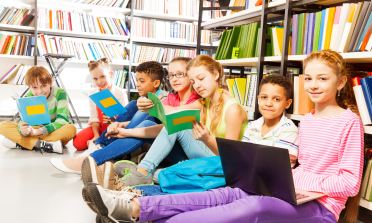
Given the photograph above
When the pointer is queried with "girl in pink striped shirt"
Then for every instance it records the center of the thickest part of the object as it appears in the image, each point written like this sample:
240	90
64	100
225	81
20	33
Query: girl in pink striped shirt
330	157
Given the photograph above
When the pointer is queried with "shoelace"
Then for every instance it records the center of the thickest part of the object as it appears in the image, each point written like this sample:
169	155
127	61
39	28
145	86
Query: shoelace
123	193
45	147
126	176
120	186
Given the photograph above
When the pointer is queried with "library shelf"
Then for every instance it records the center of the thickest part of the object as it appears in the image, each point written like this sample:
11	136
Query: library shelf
72	5
14	28
85	62
97	36
365	204
162	42
163	16
16	57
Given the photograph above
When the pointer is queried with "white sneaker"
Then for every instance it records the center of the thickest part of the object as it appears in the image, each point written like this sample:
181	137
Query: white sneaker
7	143
115	205
91	148
49	147
58	164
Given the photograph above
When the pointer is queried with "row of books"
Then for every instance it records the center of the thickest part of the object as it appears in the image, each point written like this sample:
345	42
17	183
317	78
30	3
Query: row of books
366	186
172	7
162	55
17	45
109	3
119	78
302	103
15	75
208	15
81	22
362	88
82	50
244	89
345	28
168	31
16	16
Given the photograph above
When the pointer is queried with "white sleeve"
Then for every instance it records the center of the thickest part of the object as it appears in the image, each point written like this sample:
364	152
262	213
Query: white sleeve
93	112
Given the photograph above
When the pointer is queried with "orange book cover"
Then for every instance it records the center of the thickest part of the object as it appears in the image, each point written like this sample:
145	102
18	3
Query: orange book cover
100	26
305	104
4	44
331	17
50	20
42	40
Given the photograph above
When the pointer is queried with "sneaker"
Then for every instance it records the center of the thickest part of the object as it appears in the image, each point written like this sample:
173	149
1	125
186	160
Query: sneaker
109	176
123	167
49	147
7	143
90	172
91	148
115	205
135	178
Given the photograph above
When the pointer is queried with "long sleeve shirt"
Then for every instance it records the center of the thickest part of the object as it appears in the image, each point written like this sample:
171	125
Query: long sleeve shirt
331	158
58	110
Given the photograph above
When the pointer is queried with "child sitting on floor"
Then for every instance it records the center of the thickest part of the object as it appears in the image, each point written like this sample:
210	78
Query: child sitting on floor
101	75
48	138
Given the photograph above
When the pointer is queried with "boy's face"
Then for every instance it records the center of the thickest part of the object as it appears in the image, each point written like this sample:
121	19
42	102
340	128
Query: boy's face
272	101
145	84
39	89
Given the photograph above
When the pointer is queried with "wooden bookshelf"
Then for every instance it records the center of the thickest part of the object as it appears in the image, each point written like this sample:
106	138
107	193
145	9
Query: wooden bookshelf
97	36
154	15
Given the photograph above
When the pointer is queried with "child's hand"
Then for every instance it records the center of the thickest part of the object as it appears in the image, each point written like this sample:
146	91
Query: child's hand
25	128
113	127
107	120
94	139
144	104
120	134
200	131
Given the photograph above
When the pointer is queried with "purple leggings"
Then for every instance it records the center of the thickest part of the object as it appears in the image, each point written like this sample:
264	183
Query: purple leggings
229	205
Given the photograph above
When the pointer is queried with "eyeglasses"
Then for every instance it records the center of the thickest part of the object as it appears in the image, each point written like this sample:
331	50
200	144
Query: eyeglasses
178	75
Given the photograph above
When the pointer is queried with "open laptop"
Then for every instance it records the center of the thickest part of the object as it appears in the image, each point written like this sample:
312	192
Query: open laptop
260	169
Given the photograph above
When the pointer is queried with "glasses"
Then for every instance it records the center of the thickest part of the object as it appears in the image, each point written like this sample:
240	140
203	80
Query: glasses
178	75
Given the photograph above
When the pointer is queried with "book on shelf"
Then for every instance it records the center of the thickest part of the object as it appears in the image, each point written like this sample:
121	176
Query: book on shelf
81	49
302	103
177	32
15	75
174	121
108	3
119	78
362	88
187	8
71	20
17	45
160	54
208	15
16	15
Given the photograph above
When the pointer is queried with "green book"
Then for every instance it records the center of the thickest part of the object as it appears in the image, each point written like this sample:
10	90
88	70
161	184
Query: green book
217	57
269	44
318	20
11	45
226	44
174	121
244	42
365	179
300	34
256	53
253	39
232	42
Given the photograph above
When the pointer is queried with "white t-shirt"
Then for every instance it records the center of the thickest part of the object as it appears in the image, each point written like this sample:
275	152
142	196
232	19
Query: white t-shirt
284	135
119	93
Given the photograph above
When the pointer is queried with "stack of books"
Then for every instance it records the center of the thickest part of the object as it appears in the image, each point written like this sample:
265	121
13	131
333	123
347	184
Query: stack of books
17	45
15	75
179	32
16	16
109	3
81	49
119	78
81	22
159	54
362	88
187	8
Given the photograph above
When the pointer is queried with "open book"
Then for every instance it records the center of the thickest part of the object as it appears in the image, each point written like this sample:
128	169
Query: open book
33	110
174	121
107	102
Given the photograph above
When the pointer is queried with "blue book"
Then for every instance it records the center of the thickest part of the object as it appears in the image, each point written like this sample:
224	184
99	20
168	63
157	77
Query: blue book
33	110
122	22
321	30
366	84
306	33
246	4
93	52
310	37
107	102
364	33
98	55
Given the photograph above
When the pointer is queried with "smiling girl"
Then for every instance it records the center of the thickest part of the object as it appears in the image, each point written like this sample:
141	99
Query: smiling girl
221	116
101	75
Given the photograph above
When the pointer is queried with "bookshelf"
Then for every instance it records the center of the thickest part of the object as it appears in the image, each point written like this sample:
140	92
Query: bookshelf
154	15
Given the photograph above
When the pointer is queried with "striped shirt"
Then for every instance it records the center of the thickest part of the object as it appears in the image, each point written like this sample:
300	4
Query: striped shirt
58	110
331	158
284	135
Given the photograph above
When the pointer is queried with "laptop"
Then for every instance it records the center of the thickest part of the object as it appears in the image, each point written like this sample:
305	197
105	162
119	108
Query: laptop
260	169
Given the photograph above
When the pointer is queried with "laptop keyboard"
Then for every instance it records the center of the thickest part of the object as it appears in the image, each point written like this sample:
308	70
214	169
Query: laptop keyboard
300	196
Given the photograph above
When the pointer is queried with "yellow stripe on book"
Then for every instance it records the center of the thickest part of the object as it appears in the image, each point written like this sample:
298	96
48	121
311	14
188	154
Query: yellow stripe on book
35	110
108	102
178	121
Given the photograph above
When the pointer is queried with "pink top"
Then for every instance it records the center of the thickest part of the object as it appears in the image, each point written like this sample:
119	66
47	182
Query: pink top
331	158
174	99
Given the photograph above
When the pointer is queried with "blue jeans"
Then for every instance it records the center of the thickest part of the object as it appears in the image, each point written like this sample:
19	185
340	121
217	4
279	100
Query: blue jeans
133	115
150	190
164	144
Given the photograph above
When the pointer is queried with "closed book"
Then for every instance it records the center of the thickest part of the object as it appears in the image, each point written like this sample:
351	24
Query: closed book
362	28
10	45
3	43
367	35
358	25
22	45
19	73
300	34
305	104
29	18
232	41
349	27
325	28
317	30
306	34
17	44
247	86
2	77
365	178
362	105
269	45
26	46
240	83
279	37
296	89
3	13
8	78
330	25
341	25
366	84
310	37
294	33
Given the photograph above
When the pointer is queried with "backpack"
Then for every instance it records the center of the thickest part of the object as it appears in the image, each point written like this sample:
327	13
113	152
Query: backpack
194	175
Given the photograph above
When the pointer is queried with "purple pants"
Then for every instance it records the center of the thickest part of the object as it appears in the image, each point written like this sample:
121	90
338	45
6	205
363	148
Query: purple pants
229	205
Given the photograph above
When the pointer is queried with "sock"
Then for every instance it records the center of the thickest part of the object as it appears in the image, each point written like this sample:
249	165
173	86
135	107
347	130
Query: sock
142	174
